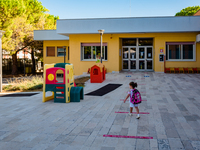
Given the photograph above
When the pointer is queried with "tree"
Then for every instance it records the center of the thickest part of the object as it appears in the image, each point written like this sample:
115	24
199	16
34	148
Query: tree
18	18
189	11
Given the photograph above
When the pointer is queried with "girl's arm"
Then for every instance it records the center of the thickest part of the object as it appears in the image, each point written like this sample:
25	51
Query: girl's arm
126	98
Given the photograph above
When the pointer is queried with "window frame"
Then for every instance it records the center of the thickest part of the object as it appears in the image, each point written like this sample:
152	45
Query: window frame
181	53
92	59
54	51
63	52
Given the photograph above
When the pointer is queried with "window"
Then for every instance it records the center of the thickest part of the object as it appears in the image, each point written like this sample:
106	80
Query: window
87	53
180	51
51	51
145	42
93	51
60	51
128	42
174	52
188	51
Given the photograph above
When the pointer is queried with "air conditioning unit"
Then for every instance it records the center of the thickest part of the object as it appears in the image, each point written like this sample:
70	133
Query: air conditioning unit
198	38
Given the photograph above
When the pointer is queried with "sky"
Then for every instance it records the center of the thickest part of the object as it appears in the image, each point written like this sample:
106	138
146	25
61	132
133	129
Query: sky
72	9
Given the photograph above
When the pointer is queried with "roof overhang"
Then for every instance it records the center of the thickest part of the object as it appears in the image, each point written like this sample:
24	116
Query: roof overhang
129	25
47	35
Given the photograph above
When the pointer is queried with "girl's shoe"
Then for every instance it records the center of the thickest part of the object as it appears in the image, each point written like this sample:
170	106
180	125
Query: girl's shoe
130	114
138	117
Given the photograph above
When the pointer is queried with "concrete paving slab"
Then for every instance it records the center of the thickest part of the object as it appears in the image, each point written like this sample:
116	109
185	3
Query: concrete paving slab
173	122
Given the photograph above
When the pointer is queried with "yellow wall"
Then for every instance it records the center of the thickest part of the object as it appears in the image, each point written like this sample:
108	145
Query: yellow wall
120	53
50	60
114	61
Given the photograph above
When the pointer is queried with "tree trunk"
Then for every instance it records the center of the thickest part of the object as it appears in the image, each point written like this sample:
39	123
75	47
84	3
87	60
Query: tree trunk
14	65
33	61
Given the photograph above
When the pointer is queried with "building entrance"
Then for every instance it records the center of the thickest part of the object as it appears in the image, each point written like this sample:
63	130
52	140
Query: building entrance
137	58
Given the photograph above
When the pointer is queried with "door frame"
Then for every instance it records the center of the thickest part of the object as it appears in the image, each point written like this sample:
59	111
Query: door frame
152	59
137	58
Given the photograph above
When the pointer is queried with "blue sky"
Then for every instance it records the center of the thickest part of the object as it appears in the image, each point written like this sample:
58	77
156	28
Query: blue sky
67	9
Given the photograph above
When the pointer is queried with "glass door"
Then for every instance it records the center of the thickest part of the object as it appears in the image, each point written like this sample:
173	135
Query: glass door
125	61
141	59
137	58
145	59
149	58
133	57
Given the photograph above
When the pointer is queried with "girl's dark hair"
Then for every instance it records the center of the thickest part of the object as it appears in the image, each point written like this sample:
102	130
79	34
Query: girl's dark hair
133	84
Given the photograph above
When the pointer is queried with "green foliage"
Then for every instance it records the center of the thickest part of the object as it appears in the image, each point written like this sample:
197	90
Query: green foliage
98	61
33	83
189	11
18	18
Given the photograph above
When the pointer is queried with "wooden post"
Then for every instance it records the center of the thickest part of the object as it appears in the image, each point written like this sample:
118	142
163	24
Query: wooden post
164	64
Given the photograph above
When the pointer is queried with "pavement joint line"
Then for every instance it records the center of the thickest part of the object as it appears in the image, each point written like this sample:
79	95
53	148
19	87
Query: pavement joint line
140	92
135	137
127	101
132	112
137	79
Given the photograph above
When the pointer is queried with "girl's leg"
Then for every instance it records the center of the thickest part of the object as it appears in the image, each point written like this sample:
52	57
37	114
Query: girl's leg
131	110
137	110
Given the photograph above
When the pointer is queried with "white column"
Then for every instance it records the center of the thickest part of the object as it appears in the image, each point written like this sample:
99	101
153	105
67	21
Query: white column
101	49
1	34
101	34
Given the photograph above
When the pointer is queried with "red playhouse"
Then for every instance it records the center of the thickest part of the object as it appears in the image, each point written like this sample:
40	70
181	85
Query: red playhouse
97	73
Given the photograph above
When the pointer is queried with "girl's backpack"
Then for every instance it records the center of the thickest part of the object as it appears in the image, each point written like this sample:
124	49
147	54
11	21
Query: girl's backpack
135	97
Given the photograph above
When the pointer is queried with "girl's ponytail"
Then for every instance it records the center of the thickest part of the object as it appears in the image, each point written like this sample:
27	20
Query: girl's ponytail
133	84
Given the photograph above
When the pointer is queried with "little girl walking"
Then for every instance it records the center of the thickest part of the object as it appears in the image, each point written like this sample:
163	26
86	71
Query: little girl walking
135	98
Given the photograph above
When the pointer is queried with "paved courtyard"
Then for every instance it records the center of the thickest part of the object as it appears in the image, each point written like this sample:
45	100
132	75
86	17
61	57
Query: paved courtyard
173	101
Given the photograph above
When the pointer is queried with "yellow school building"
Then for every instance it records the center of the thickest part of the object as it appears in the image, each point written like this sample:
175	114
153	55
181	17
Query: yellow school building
129	44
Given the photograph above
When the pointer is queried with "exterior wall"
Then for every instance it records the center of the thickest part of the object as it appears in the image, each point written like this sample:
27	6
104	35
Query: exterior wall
49	60
120	53
178	37
114	60
112	63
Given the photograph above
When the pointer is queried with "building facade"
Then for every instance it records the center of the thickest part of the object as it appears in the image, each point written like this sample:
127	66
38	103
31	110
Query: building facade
129	44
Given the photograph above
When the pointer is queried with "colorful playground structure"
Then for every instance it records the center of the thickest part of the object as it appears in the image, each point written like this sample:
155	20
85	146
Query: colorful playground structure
63	88
97	73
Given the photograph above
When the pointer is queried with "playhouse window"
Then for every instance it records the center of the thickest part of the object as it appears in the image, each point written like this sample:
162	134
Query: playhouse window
51	51
93	52
95	71
180	51
59	76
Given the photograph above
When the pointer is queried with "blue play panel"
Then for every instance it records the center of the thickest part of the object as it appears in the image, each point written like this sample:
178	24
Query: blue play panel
146	76
128	76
